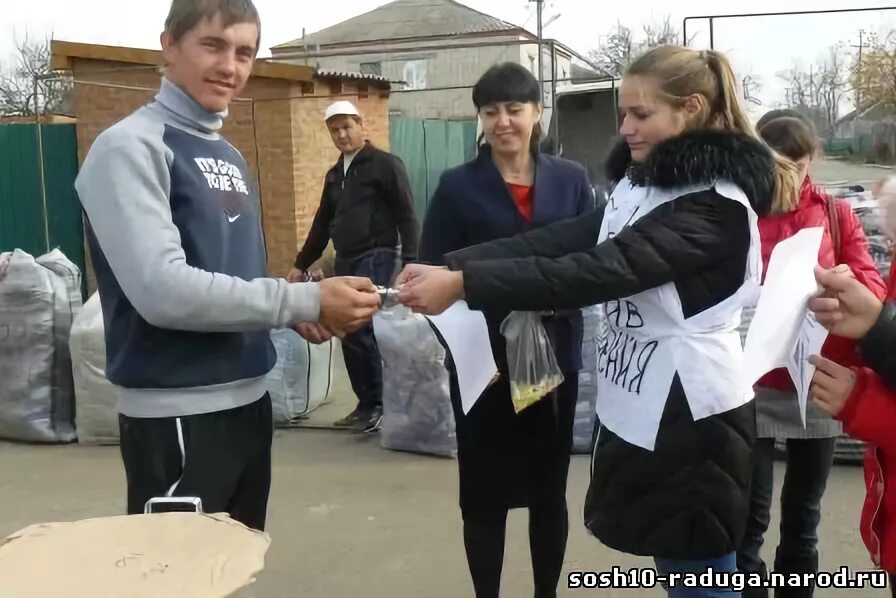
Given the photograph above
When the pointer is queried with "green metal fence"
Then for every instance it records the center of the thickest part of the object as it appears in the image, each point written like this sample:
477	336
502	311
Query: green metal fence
428	147
848	146
39	210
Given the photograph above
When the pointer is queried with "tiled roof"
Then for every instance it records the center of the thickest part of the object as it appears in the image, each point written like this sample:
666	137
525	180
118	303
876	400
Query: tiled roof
352	76
404	19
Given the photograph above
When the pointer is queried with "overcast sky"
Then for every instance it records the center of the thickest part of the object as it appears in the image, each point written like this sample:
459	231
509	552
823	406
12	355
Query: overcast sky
762	46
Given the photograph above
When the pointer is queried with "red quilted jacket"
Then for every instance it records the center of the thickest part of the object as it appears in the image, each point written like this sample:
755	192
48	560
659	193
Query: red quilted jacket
812	212
870	415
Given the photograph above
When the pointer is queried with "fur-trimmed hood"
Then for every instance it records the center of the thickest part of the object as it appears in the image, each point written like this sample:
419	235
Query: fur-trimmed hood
703	157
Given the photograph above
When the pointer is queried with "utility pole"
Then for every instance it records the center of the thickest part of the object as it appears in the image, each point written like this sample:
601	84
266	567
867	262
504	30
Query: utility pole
860	47
539	4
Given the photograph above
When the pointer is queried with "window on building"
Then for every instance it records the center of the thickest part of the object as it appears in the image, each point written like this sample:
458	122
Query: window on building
414	74
372	68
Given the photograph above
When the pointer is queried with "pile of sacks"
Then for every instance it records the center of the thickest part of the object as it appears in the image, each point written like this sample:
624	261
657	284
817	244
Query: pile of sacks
97	413
39	300
302	378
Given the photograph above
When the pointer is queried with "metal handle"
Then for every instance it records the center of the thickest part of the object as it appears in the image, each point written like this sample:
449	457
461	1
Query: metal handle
193	501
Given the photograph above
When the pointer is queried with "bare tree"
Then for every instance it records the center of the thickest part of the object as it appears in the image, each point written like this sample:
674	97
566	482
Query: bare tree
797	81
658	36
832	85
620	48
615	54
816	91
29	83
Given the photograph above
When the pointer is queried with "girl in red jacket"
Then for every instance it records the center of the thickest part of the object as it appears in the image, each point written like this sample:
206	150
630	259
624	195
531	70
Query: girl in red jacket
866	404
810	448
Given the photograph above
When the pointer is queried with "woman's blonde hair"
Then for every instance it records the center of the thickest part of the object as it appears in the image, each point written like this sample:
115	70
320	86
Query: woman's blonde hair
684	72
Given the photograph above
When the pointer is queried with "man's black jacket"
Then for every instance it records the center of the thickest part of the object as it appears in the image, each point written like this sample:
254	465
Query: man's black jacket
366	208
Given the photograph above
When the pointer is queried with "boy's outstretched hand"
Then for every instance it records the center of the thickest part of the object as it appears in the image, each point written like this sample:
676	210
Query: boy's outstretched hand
347	303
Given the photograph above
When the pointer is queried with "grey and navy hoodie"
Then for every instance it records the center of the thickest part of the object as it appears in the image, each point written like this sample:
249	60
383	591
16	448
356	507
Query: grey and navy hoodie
174	231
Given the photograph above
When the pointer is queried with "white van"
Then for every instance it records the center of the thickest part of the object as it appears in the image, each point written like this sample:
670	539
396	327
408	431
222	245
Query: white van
583	126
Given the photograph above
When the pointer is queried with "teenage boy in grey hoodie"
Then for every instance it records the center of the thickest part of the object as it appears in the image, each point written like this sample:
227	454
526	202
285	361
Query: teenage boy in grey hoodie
175	236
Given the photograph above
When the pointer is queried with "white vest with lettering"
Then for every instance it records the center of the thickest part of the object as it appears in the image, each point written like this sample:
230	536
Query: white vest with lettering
650	340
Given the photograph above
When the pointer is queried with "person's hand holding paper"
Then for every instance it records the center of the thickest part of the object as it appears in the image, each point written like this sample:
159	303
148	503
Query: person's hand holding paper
846	307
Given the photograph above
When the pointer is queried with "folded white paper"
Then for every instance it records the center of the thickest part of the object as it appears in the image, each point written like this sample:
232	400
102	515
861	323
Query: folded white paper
466	334
782	333
810	339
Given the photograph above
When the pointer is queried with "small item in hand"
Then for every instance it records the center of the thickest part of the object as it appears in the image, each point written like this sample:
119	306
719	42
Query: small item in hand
531	363
387	295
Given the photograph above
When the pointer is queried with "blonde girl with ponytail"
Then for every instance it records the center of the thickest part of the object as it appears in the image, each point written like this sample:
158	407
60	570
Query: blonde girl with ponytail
673	258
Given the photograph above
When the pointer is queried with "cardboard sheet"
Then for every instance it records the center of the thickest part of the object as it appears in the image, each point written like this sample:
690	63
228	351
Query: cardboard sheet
162	555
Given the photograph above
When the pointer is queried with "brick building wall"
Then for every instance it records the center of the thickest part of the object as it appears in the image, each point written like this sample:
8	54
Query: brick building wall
45	119
277	126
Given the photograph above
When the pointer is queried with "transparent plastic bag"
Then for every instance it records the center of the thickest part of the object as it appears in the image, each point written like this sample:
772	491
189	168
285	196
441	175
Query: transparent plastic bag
417	412
531	363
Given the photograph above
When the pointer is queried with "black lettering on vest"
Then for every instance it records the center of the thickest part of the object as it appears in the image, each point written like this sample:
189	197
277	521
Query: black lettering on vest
625	360
602	346
601	353
617	311
644	356
613	309
613	355
633	319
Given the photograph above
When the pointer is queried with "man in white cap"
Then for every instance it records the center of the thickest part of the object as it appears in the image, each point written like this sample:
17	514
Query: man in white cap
367	210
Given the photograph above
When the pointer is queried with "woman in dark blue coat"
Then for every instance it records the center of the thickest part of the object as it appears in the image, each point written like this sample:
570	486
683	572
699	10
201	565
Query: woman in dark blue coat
509	460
